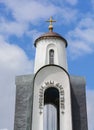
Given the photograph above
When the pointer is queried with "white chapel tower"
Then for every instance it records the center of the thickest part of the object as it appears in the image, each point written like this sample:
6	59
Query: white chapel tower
51	79
50	49
50	99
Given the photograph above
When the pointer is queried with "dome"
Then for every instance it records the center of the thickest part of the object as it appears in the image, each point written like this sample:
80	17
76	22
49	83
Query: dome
50	34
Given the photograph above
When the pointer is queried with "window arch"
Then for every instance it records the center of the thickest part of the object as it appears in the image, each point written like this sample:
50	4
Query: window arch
51	56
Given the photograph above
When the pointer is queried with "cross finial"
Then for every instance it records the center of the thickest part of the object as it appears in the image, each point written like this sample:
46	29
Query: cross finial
51	24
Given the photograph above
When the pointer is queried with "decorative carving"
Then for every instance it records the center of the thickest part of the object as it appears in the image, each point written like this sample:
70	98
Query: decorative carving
61	95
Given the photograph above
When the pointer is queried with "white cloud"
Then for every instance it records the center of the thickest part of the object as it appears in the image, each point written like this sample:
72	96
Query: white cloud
13	62
72	2
92	3
81	39
28	11
4	129
31	11
59	2
66	15
12	28
13	57
79	48
90	109
35	34
24	12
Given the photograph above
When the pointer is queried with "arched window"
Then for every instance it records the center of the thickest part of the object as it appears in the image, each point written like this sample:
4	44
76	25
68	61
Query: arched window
51	56
51	109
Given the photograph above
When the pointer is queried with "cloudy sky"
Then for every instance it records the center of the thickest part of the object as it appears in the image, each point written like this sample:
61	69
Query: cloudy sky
21	22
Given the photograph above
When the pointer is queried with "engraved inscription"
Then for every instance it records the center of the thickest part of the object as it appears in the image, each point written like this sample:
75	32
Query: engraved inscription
61	95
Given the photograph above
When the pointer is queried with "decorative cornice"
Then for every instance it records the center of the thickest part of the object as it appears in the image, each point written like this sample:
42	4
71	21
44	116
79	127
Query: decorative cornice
50	35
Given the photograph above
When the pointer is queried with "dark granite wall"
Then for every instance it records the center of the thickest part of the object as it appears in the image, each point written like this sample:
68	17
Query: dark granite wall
24	103
78	94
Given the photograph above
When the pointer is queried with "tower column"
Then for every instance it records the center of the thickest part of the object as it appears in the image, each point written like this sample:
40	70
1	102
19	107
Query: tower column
46	43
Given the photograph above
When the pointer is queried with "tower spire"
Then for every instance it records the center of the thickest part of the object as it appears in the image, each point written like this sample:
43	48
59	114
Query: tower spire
51	23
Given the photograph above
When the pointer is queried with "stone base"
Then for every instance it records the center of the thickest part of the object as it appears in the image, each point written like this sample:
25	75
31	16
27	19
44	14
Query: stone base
24	103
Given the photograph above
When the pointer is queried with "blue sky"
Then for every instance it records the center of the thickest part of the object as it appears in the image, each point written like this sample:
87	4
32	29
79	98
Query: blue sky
21	22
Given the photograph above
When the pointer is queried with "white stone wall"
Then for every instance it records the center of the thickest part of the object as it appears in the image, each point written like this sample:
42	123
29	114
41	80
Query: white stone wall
42	53
57	77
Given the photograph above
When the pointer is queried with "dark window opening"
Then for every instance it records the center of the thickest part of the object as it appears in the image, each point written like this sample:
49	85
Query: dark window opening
51	101
51	56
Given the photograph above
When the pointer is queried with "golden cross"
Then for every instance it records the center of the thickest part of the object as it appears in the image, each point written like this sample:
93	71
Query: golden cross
51	20
51	25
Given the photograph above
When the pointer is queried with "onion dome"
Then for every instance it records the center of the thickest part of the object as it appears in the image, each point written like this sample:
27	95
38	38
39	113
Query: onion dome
50	34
